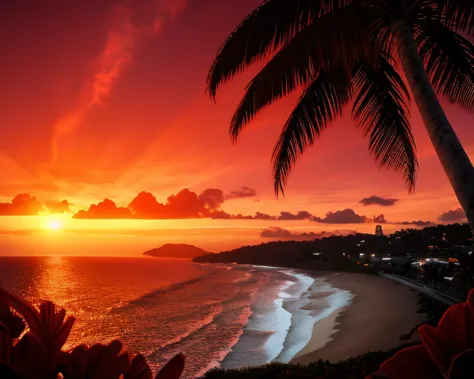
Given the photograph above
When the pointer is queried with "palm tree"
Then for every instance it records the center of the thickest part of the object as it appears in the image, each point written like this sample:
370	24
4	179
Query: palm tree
344	51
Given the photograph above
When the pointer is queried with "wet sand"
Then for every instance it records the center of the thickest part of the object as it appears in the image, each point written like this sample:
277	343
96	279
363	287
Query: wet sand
379	313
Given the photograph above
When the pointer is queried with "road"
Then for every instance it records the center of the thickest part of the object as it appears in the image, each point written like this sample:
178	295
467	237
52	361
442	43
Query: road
439	296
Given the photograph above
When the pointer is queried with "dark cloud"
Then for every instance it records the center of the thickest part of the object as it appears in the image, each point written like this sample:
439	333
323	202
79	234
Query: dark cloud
241	193
416	223
377	200
222	215
263	216
301	215
212	197
22	205
58	206
380	219
277	233
106	209
346	216
454	215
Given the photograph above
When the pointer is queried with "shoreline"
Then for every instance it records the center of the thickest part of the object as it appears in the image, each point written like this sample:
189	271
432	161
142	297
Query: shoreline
379	312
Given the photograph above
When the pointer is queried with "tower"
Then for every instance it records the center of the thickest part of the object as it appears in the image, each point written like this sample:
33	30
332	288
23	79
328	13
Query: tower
379	231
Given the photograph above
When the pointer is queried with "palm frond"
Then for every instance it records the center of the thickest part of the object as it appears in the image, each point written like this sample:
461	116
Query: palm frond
322	101
449	62
381	108
318	45
459	15
272	25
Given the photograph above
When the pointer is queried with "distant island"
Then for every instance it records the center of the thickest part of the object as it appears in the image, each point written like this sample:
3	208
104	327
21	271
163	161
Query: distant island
181	250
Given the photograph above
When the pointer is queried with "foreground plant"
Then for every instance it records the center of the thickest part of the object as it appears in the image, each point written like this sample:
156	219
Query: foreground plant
37	352
446	352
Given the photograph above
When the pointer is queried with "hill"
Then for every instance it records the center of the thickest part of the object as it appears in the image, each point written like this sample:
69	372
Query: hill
436	240
180	250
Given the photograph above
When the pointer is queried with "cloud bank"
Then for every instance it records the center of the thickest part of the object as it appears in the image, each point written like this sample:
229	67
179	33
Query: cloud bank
24	204
455	215
183	205
277	233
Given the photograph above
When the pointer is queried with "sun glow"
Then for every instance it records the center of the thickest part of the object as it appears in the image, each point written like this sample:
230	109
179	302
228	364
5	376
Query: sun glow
53	224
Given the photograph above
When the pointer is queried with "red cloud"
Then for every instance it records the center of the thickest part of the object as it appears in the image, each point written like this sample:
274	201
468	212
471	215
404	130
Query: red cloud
145	205
104	210
58	206
186	204
21	205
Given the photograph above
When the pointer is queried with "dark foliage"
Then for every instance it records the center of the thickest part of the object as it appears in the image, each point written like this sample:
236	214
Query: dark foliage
354	368
436	240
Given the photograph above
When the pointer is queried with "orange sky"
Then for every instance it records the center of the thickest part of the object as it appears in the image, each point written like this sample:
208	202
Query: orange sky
105	99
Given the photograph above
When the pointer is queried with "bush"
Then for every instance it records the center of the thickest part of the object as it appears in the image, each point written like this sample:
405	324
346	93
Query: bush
353	368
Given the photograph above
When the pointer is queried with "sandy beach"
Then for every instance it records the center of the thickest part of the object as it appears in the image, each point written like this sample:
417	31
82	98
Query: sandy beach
380	312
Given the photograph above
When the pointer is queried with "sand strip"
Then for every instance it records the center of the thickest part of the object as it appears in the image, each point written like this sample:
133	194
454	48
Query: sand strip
380	312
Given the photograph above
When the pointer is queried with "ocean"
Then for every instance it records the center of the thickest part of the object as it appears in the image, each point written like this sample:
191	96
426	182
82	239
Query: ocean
227	316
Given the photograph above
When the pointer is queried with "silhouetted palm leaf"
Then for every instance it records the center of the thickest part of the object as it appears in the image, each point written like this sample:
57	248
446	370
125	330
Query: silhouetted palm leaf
381	108
449	62
266	29
309	38
459	15
317	45
322	101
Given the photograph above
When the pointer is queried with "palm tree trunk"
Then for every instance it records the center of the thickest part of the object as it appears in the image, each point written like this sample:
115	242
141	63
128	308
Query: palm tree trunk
452	155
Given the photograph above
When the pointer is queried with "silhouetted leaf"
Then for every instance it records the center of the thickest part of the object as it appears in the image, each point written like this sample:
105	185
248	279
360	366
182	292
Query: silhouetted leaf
270	26
381	108
315	47
139	369
322	101
449	62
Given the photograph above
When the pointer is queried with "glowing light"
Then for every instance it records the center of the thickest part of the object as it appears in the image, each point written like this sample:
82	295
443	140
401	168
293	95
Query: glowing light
53	224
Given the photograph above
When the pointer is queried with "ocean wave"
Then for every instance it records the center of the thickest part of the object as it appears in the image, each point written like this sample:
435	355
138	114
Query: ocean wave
209	319
222	354
151	296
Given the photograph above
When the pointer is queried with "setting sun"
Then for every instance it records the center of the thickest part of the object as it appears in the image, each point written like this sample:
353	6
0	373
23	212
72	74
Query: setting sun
53	224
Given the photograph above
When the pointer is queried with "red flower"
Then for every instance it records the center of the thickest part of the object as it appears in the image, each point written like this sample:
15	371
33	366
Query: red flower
446	352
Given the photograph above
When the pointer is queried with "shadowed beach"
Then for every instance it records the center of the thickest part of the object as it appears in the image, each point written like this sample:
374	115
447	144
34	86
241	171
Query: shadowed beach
379	313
